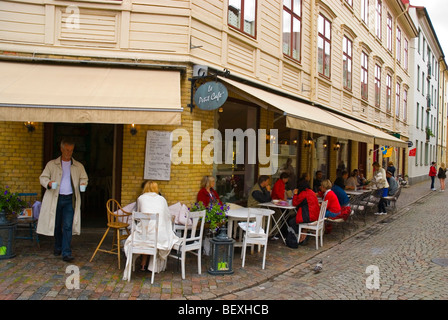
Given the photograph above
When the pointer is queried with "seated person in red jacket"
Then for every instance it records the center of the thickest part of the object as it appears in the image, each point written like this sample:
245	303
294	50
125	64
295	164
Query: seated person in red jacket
278	191
307	207
306	202
207	194
333	206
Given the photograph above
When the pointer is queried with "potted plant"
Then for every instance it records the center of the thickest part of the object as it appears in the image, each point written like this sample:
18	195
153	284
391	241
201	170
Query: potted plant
10	205
215	218
215	214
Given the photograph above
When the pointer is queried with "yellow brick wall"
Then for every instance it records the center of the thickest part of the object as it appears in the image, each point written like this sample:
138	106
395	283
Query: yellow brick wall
21	157
185	178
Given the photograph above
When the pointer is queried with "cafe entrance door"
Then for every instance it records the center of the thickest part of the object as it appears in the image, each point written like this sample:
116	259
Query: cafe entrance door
94	148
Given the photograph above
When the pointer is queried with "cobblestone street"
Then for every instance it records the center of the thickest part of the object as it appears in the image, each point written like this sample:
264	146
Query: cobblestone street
409	249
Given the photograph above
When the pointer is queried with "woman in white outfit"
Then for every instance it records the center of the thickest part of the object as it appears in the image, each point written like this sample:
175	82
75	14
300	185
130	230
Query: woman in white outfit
151	201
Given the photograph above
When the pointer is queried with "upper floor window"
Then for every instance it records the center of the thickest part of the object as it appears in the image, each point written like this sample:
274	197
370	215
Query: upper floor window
242	15
377	85
397	102
378	18
292	26
389	33
406	54
324	46
405	105
388	93
364	76
347	59
398	44
365	11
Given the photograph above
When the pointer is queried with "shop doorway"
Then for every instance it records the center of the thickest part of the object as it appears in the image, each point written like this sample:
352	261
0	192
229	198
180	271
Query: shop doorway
94	148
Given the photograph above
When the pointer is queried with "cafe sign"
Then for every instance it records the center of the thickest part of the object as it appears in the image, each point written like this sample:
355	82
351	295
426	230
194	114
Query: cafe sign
211	95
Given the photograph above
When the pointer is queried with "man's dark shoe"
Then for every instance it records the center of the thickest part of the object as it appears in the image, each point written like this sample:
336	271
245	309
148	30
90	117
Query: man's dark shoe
57	252
68	258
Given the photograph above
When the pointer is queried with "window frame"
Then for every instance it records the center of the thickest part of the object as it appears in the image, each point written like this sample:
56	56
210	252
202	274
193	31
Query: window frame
294	15
378	19
398	45
406	54
365	11
397	99
241	19
377	85
405	105
364	76
389	33
326	41
388	93
347	59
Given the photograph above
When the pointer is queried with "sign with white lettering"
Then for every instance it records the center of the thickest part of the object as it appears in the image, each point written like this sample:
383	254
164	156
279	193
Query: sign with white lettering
158	155
211	95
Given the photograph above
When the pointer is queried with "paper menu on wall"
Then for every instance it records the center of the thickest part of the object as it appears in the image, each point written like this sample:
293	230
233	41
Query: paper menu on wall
158	155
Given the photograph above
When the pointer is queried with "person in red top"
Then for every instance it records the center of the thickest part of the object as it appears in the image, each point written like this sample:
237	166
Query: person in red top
333	206
278	191
432	174
207	194
306	202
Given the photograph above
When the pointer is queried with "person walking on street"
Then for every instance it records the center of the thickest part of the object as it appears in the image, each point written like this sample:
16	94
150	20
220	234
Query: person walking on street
380	182
432	174
442	176
60	214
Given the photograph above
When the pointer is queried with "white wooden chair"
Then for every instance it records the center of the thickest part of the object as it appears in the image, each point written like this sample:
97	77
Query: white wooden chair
253	230
191	239
316	228
146	225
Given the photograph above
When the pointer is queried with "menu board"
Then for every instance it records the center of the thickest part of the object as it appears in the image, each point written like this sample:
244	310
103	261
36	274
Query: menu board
158	155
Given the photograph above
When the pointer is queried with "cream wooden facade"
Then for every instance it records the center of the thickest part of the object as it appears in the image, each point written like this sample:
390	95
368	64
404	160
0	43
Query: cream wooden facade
196	32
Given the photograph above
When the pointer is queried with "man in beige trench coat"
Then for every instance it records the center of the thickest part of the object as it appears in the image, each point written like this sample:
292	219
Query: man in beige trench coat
60	214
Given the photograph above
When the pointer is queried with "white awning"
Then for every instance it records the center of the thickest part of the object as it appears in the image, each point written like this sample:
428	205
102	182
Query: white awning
67	93
302	116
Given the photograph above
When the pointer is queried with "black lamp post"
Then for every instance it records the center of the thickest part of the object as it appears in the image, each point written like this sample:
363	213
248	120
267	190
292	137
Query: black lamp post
221	258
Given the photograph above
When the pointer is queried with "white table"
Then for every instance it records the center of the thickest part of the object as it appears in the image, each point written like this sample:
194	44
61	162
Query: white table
283	217
235	215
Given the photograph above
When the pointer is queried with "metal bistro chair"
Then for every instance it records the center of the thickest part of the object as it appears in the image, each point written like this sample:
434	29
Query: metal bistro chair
393	199
28	222
117	219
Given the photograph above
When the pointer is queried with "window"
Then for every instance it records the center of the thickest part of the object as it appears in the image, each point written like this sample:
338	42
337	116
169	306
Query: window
364	76
292	26
389	32
397	100
419	40
398	44
421	153
324	46
365	11
347	58
388	93
377	85
422	120
242	15
418	78
416	119
423	83
378	14
406	54
405	105
416	158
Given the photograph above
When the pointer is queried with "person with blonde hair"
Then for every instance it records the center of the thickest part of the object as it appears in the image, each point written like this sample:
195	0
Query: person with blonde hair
442	176
333	205
207	194
151	201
